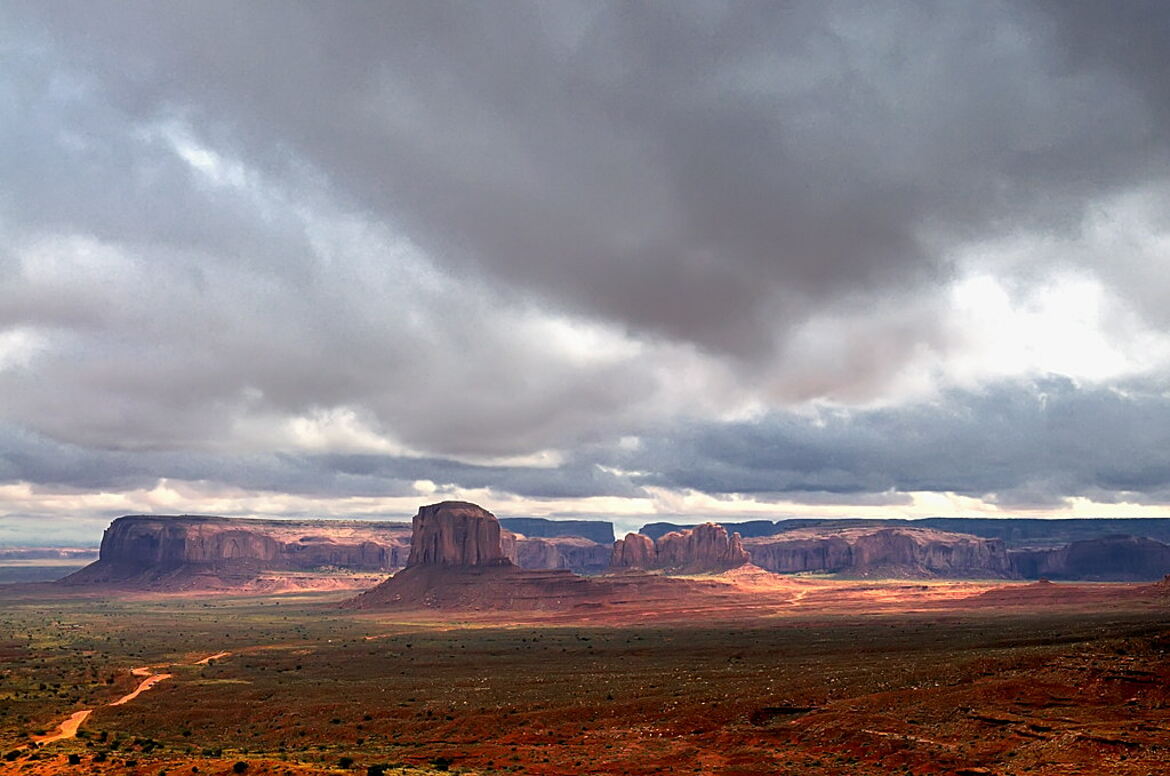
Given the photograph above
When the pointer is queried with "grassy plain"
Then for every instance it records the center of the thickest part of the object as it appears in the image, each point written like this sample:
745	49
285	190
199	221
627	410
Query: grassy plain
312	689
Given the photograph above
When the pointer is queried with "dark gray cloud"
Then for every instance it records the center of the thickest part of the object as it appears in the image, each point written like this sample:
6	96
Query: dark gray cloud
42	462
705	174
1012	444
229	230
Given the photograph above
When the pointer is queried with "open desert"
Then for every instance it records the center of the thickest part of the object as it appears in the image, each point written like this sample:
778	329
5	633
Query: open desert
464	662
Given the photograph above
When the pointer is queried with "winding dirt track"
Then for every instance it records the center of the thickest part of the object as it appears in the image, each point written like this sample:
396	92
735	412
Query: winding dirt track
69	728
150	681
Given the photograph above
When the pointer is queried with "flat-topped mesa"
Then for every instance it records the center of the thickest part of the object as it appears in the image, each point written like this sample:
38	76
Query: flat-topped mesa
205	552
704	548
881	551
455	533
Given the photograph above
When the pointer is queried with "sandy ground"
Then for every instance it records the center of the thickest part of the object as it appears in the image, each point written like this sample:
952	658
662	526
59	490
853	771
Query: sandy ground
69	728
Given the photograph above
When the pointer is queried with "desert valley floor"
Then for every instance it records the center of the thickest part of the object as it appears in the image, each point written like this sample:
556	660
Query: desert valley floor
817	676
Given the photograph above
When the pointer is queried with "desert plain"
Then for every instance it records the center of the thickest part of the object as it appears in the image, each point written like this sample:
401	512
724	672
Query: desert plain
766	674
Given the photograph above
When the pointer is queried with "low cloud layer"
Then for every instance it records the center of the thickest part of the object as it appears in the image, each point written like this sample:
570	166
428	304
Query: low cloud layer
589	250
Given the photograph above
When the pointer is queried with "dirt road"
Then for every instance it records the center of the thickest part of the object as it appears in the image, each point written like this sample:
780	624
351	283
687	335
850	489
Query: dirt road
69	728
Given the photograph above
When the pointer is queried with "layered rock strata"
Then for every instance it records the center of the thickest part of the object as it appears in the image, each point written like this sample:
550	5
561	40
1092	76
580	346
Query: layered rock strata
458	561
145	551
704	548
455	533
881	552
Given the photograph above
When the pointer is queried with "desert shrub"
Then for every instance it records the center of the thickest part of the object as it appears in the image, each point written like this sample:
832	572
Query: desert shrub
239	766
74	759
377	770
345	762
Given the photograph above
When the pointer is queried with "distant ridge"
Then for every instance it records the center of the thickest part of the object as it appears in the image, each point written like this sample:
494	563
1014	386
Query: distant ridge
599	531
1103	549
1015	531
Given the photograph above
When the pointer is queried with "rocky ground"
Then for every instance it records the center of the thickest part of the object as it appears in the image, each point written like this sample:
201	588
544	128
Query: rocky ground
846	678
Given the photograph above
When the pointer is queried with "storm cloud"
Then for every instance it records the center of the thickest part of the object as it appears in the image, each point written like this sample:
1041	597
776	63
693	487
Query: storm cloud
803	249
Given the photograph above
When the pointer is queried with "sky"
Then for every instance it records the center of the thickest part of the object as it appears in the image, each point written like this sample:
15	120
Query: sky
629	261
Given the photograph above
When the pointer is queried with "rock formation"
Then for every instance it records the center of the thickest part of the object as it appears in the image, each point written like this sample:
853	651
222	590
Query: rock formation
458	561
1114	558
462	565
201	552
636	551
881	551
186	551
575	553
1016	532
455	533
704	548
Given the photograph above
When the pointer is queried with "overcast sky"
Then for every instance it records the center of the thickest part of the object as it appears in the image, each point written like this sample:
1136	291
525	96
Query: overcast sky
633	260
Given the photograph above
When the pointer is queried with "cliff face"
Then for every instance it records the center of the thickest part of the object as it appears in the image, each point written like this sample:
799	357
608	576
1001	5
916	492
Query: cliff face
1110	558
636	551
140	549
455	533
878	551
575	553
704	548
459	561
1016	532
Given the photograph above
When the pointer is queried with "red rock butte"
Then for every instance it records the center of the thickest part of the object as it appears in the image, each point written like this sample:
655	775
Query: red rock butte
702	549
455	533
458	562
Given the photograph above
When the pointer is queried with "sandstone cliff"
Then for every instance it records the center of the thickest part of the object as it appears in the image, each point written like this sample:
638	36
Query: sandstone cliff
575	553
1016	532
636	551
461	564
1115	558
881	551
455	533
458	561
147	551
704	548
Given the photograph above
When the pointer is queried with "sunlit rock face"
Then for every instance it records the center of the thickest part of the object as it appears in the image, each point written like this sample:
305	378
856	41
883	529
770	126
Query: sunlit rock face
704	548
145	551
636	551
459	560
881	551
455	533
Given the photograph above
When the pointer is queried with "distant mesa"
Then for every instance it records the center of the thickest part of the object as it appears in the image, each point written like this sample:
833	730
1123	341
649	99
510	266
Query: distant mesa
190	552
197	552
597	531
1115	558
1087	549
578	554
461	563
881	551
706	548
